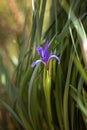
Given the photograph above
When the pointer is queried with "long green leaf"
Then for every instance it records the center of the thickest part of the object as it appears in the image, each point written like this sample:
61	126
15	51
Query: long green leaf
81	69
32	100
66	95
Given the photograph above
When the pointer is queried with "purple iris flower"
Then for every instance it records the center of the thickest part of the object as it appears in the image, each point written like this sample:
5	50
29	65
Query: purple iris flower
44	56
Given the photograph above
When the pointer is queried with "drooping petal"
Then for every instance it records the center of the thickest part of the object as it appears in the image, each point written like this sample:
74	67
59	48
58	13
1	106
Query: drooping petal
40	51
54	56
46	50
50	55
36	62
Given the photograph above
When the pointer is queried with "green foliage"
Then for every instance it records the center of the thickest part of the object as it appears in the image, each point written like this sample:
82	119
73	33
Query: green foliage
56	98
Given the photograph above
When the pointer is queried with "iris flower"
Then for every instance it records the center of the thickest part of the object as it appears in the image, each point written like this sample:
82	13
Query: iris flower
44	56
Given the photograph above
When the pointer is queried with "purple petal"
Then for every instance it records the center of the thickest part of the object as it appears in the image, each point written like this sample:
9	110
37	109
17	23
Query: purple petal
54	56
36	62
46	50
40	51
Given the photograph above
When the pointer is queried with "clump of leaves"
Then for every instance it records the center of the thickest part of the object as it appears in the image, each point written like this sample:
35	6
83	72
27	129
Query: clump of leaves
51	96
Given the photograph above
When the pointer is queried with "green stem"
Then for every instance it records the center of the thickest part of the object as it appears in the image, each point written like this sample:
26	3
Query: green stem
47	92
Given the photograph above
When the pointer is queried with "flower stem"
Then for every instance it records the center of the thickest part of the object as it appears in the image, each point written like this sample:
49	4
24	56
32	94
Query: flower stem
47	92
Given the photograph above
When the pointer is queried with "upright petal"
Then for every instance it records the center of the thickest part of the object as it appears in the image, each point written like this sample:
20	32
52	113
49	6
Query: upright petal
36	62
40	51
54	56
46	50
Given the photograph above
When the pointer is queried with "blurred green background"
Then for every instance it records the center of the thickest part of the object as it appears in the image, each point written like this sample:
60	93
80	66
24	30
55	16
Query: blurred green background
12	17
37	98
